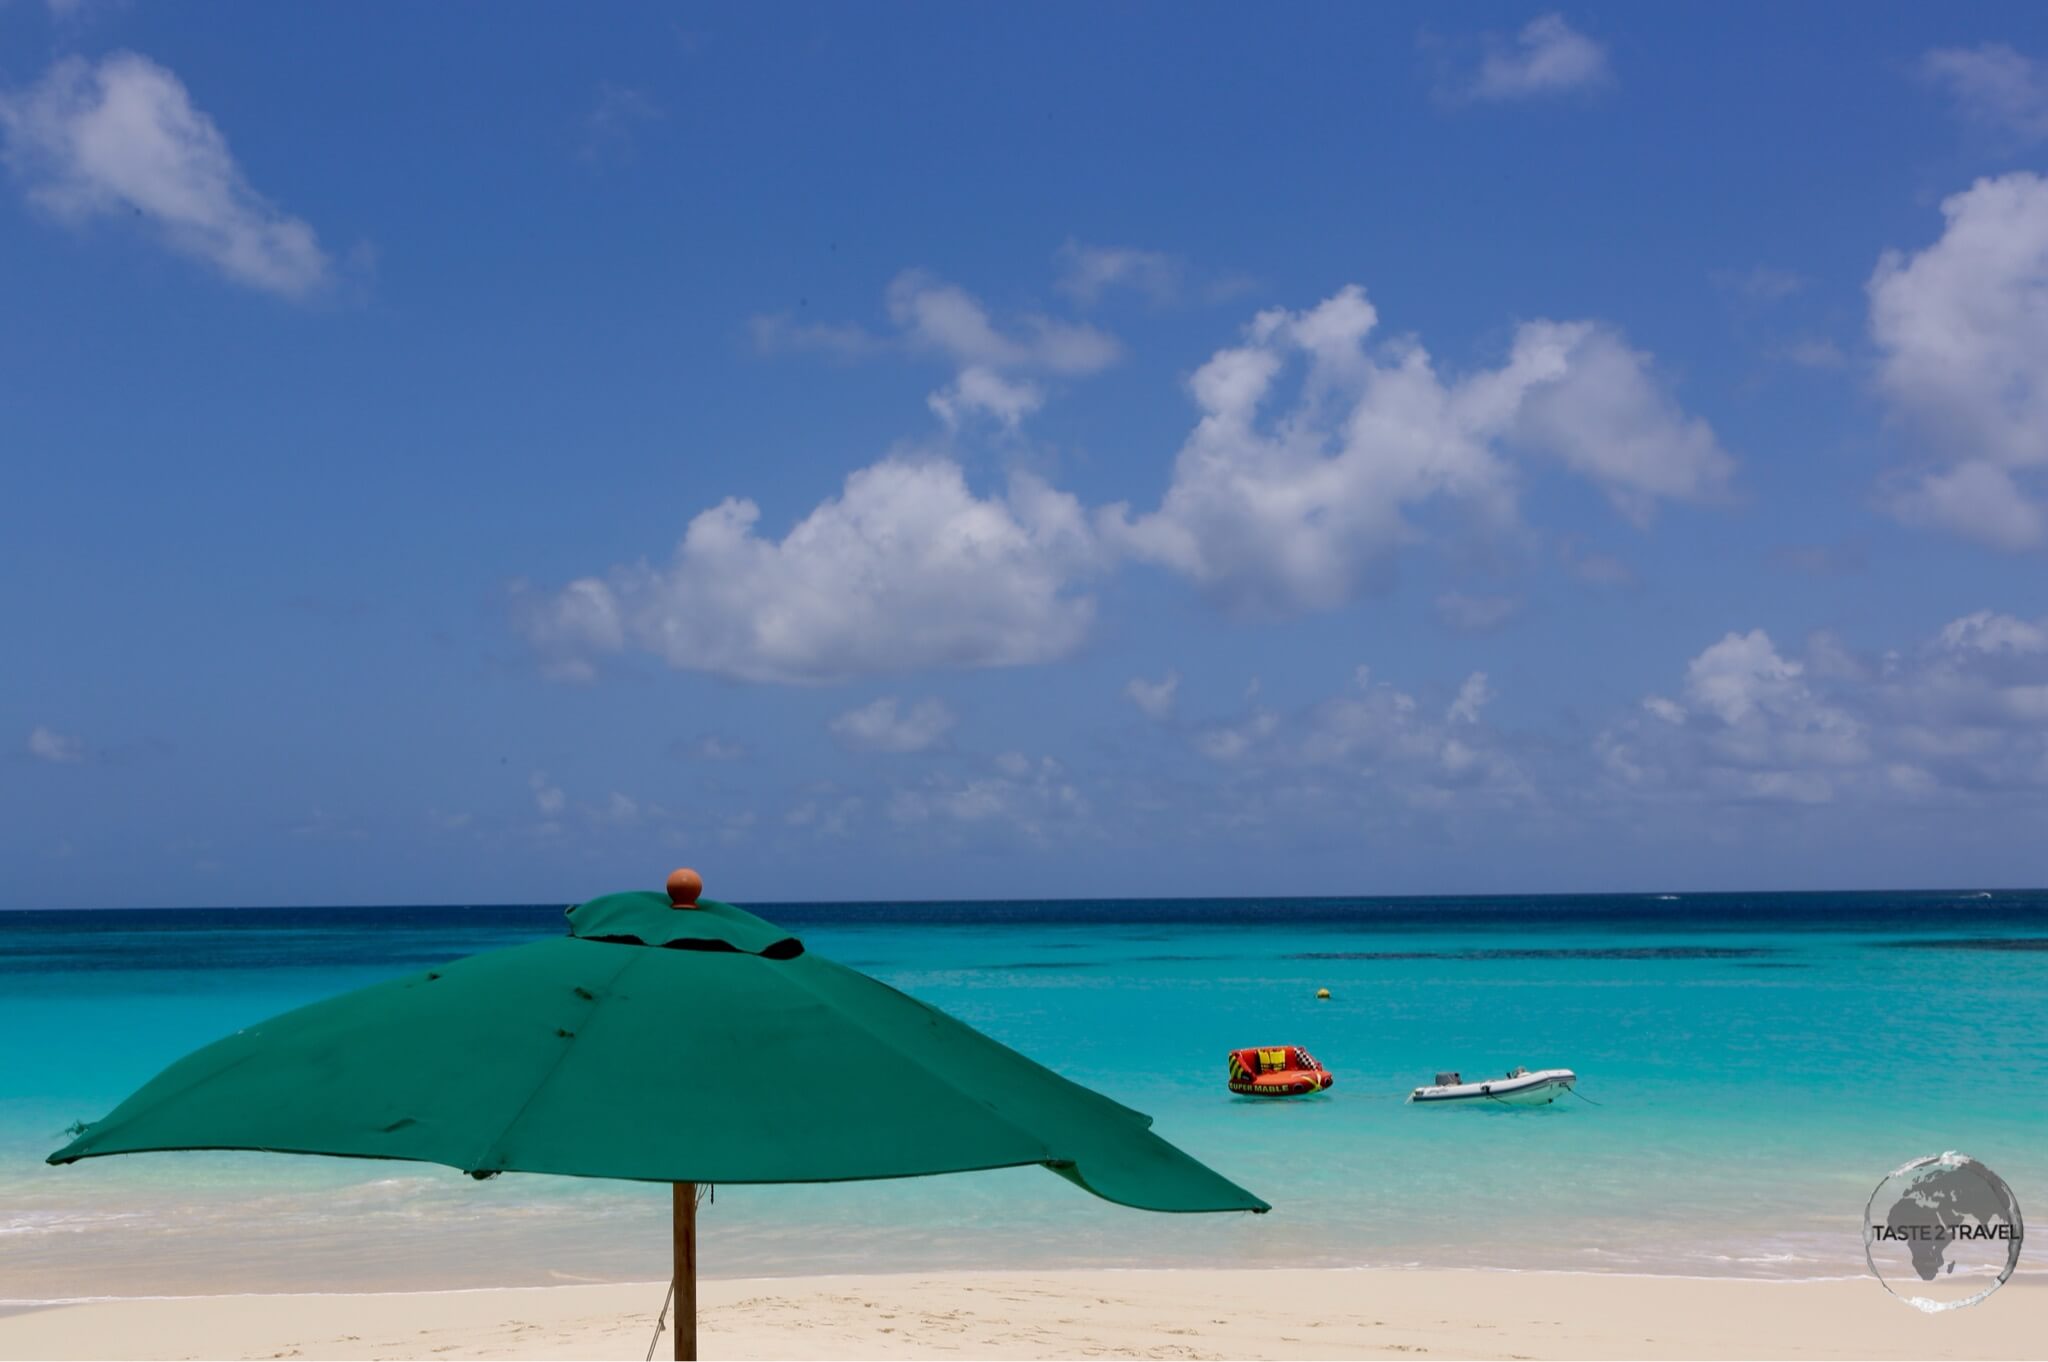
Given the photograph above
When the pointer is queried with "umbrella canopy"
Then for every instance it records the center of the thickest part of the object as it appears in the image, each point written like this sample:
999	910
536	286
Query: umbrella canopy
663	1041
658	1044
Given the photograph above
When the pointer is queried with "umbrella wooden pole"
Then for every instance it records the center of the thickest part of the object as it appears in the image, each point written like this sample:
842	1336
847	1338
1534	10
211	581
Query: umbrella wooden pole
686	1271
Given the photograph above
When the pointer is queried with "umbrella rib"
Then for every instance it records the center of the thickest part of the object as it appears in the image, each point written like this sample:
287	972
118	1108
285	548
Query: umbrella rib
569	1043
910	1058
941	1017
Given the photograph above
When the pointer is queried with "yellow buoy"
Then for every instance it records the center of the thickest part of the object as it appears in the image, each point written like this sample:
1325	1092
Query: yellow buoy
1322	993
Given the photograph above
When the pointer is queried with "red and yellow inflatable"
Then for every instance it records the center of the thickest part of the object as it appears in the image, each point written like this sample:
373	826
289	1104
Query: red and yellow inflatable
1277	1071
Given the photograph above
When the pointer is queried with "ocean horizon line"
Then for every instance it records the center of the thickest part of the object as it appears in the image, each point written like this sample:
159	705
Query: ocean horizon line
1665	894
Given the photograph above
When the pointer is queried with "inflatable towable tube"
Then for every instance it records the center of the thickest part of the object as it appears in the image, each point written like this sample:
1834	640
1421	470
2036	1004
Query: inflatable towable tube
1277	1071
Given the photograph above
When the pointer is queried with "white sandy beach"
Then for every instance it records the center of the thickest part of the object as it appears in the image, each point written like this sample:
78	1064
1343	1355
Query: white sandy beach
1167	1313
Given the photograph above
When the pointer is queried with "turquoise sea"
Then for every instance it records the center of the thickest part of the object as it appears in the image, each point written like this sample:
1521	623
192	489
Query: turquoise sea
1759	1062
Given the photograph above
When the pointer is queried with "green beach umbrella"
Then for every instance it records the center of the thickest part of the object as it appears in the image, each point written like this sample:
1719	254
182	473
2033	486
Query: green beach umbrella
683	1042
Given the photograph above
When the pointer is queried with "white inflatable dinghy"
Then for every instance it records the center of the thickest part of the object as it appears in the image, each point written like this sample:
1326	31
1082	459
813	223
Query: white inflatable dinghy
1519	1088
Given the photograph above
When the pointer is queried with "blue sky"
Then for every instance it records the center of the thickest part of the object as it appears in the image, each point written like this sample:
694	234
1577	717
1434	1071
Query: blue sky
950	451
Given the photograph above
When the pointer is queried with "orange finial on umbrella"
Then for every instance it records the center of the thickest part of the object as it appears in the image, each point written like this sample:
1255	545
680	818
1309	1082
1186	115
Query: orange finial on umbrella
683	887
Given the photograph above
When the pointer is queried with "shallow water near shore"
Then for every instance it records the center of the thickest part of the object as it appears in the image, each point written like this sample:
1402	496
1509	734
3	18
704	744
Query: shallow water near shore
1758	1062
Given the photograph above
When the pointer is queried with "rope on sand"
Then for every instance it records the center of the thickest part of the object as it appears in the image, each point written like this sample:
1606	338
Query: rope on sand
661	1319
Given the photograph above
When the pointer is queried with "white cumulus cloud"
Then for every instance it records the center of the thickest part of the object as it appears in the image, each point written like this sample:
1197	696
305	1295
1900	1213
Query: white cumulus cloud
620	810
122	137
996	367
1961	329
1995	634
1293	510
907	568
46	744
1547	57
1087	272
1587	399
1376	741
886	725
985	391
1154	699
936	315
1965	713
1017	794
547	796
1994	85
